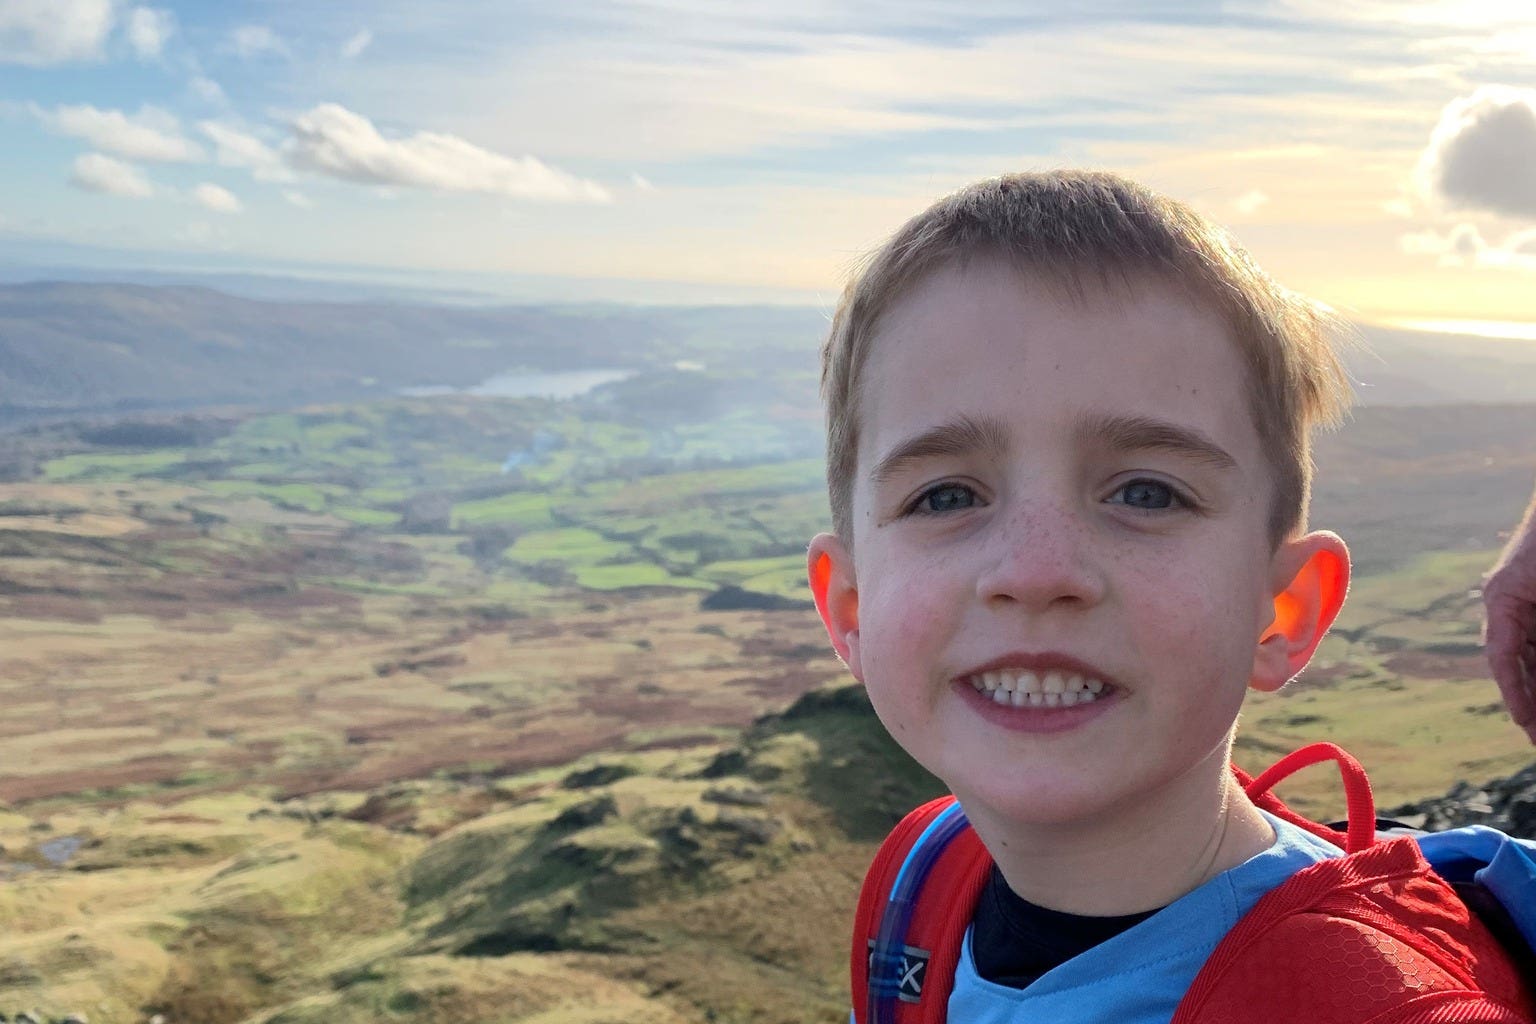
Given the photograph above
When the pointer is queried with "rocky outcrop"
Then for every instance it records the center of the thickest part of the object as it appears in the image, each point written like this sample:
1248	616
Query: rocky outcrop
1508	804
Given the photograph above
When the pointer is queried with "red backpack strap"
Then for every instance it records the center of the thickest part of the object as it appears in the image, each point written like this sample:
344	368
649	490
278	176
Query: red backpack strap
940	911
1374	935
1358	799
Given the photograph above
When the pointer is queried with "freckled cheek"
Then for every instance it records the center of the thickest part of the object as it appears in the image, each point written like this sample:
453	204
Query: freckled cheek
1176	606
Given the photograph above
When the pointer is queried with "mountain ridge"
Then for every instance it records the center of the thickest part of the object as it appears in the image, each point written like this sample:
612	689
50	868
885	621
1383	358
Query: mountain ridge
73	347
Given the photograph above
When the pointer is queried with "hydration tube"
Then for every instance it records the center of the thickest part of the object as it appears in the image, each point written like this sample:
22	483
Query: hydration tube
888	959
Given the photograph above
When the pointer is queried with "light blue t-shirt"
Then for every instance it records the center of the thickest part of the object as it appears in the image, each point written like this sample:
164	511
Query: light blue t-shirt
1139	976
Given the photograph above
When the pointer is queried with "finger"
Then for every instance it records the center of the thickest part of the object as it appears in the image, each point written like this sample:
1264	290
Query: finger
1512	661
1503	641
1528	689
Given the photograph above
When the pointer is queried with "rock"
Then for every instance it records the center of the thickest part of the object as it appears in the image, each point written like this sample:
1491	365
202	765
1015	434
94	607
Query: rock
1508	804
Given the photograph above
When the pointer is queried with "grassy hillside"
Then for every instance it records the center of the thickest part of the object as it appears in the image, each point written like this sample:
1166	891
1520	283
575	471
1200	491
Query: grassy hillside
445	709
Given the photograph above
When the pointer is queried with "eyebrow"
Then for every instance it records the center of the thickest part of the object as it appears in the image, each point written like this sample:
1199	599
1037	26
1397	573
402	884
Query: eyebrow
1144	433
960	436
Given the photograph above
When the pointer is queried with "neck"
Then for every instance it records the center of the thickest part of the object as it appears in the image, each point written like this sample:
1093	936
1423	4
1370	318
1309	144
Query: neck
1135	858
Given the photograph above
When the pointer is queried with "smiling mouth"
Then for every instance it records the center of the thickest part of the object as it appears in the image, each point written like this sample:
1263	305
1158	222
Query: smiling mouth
1025	689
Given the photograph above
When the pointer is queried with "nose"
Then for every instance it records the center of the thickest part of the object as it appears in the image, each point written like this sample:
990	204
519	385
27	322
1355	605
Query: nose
1041	558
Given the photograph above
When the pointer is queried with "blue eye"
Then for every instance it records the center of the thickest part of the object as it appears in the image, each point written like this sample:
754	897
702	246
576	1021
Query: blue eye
944	498
1148	494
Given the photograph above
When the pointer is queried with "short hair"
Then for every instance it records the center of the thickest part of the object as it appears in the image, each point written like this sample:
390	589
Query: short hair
1075	227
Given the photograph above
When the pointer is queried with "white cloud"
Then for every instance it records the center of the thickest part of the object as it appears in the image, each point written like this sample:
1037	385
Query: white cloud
235	148
256	41
299	199
1251	202
97	173
43	32
641	183
151	134
357	44
1482	153
332	140
1464	246
206	89
148	29
217	199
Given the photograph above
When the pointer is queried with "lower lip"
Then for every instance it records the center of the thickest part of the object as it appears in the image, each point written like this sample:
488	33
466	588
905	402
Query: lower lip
1036	719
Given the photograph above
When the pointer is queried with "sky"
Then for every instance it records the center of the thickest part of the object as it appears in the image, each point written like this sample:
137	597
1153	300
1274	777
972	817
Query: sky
1377	154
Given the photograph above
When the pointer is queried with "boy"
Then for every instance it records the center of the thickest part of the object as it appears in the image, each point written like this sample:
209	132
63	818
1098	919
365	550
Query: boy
1068	460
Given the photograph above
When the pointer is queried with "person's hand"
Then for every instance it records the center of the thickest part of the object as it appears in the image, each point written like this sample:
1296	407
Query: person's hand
1509	630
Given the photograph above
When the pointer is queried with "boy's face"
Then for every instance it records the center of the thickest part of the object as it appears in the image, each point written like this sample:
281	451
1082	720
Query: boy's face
1054	494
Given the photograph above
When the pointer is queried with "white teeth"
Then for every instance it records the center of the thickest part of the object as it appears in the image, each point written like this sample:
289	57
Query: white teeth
1031	690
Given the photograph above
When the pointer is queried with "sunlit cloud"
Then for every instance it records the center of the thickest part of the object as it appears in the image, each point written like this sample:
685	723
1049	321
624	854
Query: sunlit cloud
152	134
334	141
1251	202
95	172
236	148
1482	154
216	198
43	32
148	29
1464	246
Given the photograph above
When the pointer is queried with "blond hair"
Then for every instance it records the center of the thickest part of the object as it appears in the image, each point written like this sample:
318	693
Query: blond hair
1075	227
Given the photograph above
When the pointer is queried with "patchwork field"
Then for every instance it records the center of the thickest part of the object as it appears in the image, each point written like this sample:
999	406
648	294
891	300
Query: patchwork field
454	709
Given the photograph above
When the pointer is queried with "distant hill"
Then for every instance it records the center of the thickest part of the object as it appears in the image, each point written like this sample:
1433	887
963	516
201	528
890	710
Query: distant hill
87	347
1403	367
70	347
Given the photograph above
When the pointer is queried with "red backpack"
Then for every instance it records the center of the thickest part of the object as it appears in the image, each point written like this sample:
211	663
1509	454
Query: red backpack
1373	936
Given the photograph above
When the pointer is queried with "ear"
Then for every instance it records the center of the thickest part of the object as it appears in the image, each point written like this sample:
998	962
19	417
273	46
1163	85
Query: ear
1310	578
830	568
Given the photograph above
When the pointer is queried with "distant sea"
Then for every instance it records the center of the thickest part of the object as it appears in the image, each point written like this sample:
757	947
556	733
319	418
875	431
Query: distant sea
1507	330
562	384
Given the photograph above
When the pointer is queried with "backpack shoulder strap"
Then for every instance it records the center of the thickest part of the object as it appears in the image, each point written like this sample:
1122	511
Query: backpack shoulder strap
916	903
1495	875
1374	935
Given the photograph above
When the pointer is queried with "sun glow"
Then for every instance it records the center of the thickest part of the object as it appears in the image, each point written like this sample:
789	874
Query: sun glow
1508	330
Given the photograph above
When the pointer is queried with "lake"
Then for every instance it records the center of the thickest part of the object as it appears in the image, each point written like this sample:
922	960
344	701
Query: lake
559	384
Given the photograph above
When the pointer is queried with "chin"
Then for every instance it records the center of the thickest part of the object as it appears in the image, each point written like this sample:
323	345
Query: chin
1038	800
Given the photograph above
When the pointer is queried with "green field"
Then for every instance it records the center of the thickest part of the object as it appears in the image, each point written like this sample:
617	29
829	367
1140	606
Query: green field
413	710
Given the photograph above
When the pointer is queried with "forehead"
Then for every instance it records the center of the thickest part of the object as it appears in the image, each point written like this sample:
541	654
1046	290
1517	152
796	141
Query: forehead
984	337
